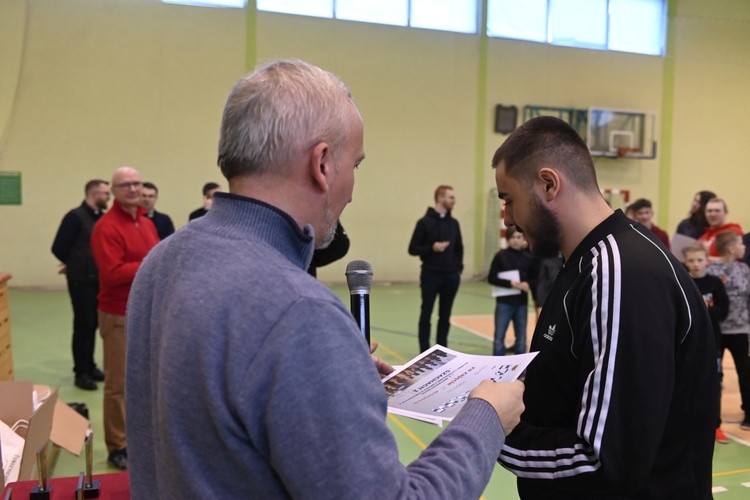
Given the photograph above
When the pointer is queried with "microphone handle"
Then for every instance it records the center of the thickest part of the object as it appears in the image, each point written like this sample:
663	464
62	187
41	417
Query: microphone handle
360	307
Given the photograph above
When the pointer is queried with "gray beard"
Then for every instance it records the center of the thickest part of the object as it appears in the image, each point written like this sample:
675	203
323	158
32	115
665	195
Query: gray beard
330	232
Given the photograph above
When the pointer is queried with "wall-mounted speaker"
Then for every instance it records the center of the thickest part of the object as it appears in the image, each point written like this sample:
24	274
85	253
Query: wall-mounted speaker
505	119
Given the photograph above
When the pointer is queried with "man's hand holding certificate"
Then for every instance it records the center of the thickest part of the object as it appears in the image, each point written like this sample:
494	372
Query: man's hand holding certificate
434	386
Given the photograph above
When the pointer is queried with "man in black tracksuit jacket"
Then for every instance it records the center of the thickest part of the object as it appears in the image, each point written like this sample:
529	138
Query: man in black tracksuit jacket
621	400
437	242
72	246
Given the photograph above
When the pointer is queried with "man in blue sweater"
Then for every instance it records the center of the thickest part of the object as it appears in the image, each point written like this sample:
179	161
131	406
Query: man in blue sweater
247	378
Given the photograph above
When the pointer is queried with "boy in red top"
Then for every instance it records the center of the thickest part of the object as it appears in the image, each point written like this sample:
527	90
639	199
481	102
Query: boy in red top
121	239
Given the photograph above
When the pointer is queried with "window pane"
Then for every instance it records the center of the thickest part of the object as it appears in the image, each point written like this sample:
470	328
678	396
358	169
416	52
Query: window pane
637	26
580	23
448	15
520	19
381	12
209	3
317	8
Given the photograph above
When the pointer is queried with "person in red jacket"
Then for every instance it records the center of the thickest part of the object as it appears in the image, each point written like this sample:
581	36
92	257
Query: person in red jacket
716	216
121	239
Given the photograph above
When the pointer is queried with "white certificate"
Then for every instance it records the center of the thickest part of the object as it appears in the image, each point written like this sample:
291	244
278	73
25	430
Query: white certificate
501	291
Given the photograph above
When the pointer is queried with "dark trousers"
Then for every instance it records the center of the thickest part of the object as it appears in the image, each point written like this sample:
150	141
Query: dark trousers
432	285
738	345
83	297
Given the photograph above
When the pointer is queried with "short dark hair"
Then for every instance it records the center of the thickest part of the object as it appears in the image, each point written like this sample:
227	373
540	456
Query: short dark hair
639	204
208	187
441	189
93	184
151	185
547	140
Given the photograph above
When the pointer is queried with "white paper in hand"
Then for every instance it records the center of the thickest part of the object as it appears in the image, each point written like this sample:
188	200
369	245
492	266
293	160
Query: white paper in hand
501	291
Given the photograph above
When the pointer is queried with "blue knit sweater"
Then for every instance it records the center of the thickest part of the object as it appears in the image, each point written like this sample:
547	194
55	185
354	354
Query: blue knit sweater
247	378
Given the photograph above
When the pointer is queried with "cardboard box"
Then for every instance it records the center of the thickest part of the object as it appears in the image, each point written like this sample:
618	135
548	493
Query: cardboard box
53	420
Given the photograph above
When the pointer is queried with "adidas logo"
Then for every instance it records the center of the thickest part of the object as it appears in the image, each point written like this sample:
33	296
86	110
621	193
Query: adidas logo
550	332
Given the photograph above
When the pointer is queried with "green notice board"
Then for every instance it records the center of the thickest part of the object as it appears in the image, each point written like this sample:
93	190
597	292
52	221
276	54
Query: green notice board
10	188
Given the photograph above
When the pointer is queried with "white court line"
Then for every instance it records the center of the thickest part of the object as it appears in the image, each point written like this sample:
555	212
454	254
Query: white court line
471	330
718	489
735	438
746	485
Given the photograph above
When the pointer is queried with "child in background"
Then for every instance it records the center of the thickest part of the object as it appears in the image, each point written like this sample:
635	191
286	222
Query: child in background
717	302
511	307
735	328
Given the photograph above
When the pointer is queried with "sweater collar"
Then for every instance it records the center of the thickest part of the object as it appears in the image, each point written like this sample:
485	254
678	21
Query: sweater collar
242	217
121	212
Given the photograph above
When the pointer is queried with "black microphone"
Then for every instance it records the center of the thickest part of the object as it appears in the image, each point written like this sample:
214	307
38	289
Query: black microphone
359	279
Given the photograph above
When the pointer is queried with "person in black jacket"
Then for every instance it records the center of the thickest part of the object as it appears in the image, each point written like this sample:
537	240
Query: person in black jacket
437	242
73	248
209	189
333	252
512	303
544	270
717	302
162	222
621	401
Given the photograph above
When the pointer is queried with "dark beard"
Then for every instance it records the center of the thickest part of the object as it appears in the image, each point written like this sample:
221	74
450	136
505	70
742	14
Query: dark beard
544	232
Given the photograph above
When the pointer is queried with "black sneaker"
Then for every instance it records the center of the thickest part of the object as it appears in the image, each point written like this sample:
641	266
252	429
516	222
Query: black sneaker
745	425
97	375
85	382
118	459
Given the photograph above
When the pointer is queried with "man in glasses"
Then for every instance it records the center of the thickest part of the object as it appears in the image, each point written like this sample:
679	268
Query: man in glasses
73	248
120	241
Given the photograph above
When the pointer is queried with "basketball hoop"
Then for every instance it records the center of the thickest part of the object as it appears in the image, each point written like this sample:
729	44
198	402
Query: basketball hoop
625	152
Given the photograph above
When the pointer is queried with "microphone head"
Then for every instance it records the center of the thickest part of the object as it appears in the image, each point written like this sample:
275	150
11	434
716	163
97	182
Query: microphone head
359	276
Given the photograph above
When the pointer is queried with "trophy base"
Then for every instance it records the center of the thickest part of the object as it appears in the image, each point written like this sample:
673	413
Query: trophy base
89	490
37	494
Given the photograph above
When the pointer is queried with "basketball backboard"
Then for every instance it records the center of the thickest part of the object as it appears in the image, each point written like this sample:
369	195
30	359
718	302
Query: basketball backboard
618	133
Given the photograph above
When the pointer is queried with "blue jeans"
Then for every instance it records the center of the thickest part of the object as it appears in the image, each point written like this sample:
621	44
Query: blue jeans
504	313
